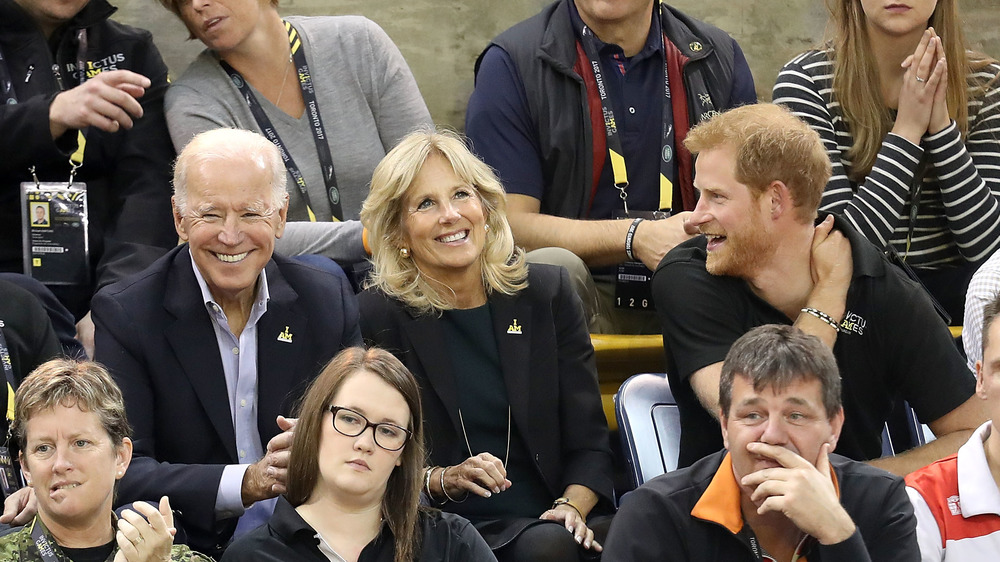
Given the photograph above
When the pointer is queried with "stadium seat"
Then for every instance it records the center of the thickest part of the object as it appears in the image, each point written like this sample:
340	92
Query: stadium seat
649	426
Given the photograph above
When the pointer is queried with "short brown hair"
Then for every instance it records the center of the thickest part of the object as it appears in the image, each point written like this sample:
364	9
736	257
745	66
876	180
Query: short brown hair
990	313
771	145
402	492
774	356
84	384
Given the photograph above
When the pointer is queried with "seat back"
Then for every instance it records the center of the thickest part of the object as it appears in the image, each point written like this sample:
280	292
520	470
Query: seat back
649	425
902	431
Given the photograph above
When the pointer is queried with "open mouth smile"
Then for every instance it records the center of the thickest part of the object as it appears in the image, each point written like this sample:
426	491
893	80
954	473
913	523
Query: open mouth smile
454	237
231	258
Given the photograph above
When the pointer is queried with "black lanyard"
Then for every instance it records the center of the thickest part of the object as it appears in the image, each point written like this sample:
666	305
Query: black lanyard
667	168
9	96
8	371
7	93
318	131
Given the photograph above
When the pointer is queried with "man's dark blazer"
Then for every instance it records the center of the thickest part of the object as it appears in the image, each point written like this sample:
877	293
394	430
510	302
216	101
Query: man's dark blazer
548	368
155	335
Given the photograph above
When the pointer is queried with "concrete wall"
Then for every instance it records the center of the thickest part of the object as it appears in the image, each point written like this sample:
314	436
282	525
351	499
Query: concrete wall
441	40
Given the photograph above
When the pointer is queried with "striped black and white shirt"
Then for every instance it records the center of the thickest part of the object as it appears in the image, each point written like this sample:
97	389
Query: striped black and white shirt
958	216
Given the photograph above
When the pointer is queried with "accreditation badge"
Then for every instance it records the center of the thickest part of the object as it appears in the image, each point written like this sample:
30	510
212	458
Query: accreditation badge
633	280
10	474
54	230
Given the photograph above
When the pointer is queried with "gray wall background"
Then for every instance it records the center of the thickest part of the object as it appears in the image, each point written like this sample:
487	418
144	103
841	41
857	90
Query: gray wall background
441	40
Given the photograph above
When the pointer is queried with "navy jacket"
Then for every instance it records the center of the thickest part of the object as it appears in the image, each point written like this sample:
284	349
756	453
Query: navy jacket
157	340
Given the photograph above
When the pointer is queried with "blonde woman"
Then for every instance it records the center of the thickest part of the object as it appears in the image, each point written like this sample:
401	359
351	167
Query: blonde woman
911	121
516	435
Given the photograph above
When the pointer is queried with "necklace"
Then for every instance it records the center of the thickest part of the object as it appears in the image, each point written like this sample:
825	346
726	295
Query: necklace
284	78
466	435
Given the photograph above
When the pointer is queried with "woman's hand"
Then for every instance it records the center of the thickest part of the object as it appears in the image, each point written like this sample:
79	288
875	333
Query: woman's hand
574	523
149	539
925	70
483	475
940	117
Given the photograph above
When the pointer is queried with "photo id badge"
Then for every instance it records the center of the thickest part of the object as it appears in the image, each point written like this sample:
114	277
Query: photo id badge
54	229
633	280
10	475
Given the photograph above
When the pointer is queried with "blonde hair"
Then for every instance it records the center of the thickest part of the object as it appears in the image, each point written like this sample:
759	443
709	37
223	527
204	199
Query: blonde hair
771	145
66	382
502	263
856	78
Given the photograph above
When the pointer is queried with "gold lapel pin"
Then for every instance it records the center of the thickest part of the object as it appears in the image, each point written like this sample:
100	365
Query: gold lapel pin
514	328
285	336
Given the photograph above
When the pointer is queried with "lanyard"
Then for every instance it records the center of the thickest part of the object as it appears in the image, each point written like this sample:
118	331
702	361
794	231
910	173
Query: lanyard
614	143
9	96
7	93
46	550
8	371
318	131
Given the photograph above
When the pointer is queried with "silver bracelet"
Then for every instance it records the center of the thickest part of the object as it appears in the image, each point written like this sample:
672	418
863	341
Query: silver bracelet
427	481
445	490
816	313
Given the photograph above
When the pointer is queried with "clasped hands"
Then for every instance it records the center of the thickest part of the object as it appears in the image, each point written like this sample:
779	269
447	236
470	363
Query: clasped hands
484	475
923	104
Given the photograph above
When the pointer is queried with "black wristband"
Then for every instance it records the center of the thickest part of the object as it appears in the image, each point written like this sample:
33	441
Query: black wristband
630	236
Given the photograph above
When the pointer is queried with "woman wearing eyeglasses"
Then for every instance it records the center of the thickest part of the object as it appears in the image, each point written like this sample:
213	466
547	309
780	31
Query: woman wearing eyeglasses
517	436
354	475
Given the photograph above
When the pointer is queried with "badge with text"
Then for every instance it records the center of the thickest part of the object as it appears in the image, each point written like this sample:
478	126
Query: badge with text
54	229
10	479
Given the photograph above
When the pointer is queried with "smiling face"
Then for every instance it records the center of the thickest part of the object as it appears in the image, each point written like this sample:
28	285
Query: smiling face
223	25
897	18
729	216
231	223
793	418
355	470
72	465
444	225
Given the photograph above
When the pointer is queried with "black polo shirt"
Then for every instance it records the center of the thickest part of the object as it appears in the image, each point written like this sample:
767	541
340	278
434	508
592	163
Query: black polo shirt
287	537
896	346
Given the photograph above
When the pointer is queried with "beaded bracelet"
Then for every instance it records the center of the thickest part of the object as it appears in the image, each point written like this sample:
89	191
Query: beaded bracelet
822	316
629	237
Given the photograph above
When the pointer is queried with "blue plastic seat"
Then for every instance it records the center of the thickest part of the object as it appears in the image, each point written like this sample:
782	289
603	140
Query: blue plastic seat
649	425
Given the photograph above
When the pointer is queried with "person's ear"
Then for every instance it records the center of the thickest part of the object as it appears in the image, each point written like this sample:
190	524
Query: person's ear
123	454
837	424
723	422
179	225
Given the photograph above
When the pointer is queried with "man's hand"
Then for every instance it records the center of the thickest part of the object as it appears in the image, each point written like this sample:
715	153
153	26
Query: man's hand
654	238
106	101
85	334
802	492
19	507
267	477
832	266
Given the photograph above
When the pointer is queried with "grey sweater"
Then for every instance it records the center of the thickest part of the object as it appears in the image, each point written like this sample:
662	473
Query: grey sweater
367	97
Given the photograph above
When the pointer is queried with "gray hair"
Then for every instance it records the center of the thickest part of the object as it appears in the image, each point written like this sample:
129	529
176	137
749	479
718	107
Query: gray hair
774	356
230	144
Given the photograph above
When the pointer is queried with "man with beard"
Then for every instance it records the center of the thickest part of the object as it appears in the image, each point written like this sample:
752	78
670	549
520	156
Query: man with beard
767	257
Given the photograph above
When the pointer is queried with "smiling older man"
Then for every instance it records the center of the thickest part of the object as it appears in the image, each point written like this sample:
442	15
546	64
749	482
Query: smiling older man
217	339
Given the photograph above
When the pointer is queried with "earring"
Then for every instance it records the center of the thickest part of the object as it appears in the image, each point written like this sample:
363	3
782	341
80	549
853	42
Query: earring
486	227
404	253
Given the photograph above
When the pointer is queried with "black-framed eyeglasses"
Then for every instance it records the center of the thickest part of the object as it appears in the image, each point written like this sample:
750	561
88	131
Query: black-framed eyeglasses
389	436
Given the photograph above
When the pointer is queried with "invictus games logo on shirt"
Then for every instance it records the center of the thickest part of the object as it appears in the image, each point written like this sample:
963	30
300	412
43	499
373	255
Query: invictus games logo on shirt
853	323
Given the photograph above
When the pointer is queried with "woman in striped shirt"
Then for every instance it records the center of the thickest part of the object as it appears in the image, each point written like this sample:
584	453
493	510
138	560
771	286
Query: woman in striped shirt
911	121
